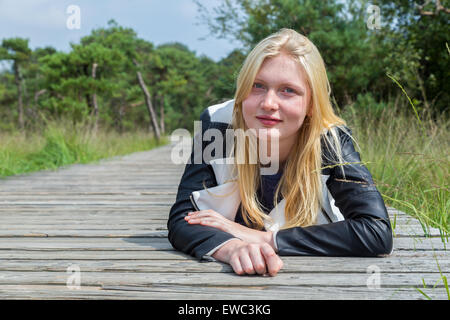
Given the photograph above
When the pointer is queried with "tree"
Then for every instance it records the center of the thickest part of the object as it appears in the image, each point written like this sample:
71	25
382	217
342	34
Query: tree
338	30
133	52
411	43
17	50
419	40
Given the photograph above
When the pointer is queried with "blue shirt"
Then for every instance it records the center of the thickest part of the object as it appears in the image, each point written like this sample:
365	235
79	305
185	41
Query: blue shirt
267	189
265	194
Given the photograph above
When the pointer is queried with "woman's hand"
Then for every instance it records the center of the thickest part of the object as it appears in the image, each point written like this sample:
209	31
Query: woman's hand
249	258
216	220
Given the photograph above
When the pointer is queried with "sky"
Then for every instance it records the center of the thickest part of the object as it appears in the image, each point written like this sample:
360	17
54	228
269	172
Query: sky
44	22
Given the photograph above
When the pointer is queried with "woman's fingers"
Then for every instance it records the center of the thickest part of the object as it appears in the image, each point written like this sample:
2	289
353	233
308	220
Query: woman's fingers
273	261
255	258
235	263
259	265
209	221
246	262
199	216
209	218
204	213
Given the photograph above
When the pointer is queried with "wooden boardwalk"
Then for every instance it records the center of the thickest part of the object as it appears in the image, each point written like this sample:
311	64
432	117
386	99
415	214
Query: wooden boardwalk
105	225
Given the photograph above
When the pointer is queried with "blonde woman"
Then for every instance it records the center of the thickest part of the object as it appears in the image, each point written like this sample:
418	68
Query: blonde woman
320	200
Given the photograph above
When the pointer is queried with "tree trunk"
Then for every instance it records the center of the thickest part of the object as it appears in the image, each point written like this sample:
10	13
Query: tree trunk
94	100
18	80
150	109
37	94
348	98
161	114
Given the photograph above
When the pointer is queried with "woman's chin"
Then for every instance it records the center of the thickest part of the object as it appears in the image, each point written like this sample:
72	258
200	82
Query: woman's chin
271	134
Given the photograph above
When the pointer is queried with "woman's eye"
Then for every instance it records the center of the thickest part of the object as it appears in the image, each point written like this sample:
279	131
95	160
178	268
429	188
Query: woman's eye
289	90
258	85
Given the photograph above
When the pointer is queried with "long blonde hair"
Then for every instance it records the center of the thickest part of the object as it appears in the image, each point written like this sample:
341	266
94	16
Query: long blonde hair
300	184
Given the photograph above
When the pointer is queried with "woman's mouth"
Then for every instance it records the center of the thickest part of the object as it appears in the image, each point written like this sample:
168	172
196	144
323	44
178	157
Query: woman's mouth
268	121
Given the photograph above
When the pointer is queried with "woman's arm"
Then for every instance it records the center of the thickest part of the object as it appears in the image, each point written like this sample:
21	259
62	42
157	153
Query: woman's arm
196	240
249	258
366	230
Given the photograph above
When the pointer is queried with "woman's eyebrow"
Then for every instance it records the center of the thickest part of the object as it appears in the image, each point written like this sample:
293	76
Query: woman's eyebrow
284	83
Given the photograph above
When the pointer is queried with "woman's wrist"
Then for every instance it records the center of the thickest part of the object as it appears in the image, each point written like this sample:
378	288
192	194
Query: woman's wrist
224	252
269	238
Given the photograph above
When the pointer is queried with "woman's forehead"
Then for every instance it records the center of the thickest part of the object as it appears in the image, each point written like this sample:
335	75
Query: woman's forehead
281	68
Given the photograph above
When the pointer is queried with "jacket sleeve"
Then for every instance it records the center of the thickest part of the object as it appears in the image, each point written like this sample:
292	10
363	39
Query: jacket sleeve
366	230
195	240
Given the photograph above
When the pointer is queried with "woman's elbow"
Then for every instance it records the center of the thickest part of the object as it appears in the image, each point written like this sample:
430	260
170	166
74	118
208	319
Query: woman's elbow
385	242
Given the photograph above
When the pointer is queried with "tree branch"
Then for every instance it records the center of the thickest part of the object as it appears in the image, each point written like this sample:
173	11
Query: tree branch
439	7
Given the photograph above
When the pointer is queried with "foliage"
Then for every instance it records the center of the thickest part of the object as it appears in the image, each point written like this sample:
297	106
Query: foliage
60	84
409	45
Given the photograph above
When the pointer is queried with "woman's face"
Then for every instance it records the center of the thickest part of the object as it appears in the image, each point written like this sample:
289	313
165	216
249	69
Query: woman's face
280	91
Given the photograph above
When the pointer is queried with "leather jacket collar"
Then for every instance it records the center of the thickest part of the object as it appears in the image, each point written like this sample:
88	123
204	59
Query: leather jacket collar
225	198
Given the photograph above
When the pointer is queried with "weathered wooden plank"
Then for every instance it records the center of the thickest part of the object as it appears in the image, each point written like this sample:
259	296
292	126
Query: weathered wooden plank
99	171
15	221
416	230
93	201
290	292
92	204
46	215
149	229
106	187
152	243
55	215
99	233
291	265
143	215
132	219
56	224
91	218
153	213
179	292
100	243
55	194
91	185
405	256
21	254
63	217
42	211
335	279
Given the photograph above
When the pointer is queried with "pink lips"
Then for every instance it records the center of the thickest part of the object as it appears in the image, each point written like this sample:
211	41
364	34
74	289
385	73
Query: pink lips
270	121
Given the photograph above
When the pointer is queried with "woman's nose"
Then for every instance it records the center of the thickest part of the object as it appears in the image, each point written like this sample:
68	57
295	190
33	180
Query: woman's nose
269	101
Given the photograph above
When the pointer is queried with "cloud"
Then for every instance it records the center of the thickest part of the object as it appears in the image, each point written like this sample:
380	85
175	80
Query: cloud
158	21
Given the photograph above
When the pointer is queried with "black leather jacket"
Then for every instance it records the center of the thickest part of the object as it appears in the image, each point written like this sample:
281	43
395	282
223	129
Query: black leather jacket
365	230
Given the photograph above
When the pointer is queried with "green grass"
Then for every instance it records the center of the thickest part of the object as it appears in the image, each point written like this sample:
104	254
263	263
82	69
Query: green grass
407	153
408	158
61	144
